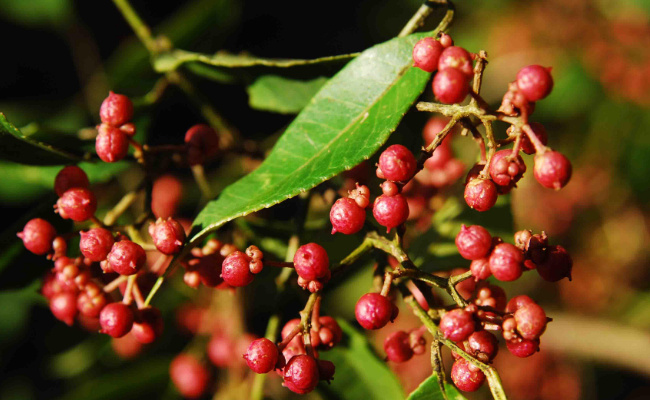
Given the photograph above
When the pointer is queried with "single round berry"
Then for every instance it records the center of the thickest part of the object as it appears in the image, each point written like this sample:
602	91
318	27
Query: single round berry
91	300
535	82
37	236
96	243
446	40
389	188
481	194
523	348
466	377
68	178
483	345
552	170
190	377
558	265
116	109
397	163
539	131
374	311
111	144
301	374
77	204
506	262
168	235
235	269
397	347
64	307
203	143
531	321
116	319
148	325
221	351
457	325
261	356
346	216
311	262
517	302
473	242
126	347
166	196
390	211
480	269
426	53
505	170
126	257
450	86
457	58
330	333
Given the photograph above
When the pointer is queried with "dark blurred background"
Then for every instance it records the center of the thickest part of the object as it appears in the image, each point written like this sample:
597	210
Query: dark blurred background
60	58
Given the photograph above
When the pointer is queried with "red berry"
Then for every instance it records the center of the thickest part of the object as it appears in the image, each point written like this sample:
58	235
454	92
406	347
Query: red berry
450	86
523	348
457	58
346	216
116	319
397	163
440	157
457	325
77	204
433	127
466	377
517	302
330	333
64	307
111	144
203	143
190	377
221	350
506	262
311	262
116	109
473	242
37	236
390	211
301	374
535	82
531	321
126	257
490	296
552	170
397	347
235	269
148	325
446	40
483	345
426	53
68	178
91	300
558	265
480	269
481	194
539	130
389	188
96	243
168	235
126	347
261	356
166	196
504	170
374	311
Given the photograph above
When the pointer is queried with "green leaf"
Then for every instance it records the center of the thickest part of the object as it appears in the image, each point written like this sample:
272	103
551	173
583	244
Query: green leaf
360	374
344	124
430	390
282	95
21	148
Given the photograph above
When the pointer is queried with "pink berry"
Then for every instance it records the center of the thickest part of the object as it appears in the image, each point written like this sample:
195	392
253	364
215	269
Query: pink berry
37	236
77	204
473	242
426	53
168	235
481	194
126	257
457	58
397	163
397	347
116	109
483	345
189	376
531	321
301	374
506	262
261	356
330	333
552	170
311	262
517	302
539	130
480	268
374	311
504	170
221	351
166	196
446	40
91	300
457	325
450	86
235	269
523	348
68	178
558	265
535	82
148	325
203	143
466	377
488	295
116	319
346	216
390	211
111	144
96	243
64	307
389	188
